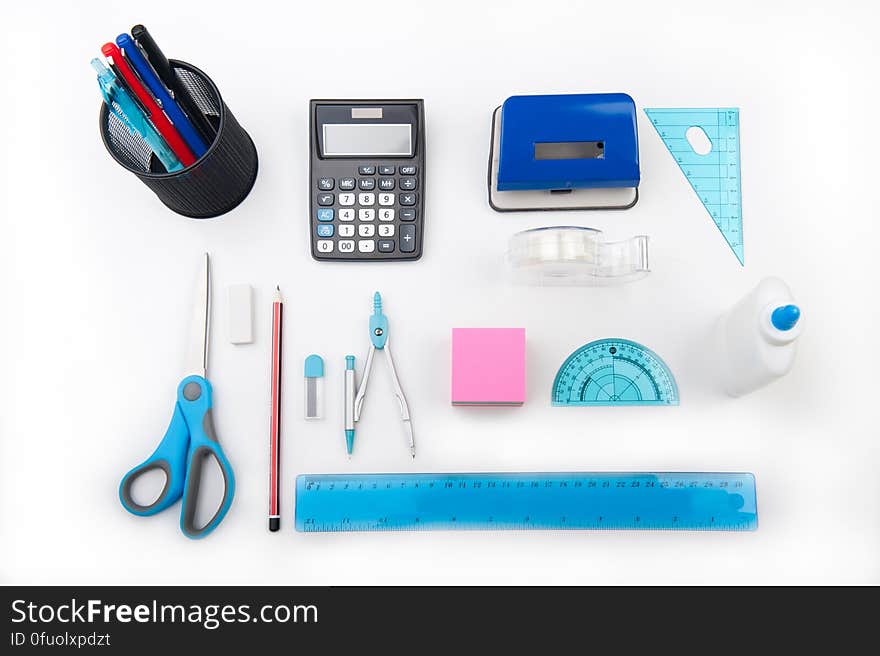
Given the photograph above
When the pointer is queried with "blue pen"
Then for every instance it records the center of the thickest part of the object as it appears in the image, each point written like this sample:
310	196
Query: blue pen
157	88
127	111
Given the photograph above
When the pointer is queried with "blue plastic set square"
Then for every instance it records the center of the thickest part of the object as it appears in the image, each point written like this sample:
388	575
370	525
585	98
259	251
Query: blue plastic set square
714	175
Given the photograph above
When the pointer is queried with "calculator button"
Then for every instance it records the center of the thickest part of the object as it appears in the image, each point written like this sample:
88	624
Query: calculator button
326	184
325	245
325	229
346	184
366	230
408	199
386	199
346	246
366	245
386	170
325	214
386	215
367	170
407	170
366	199
366	215
386	245
346	230
346	214
386	183
407	184
326	199
386	230
346	199
408	214
407	238
367	183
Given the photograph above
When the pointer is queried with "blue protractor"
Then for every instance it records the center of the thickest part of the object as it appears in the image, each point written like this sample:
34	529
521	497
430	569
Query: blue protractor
614	372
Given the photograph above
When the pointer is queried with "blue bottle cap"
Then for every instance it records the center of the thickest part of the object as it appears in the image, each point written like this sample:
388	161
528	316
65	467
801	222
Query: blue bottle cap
314	366
785	317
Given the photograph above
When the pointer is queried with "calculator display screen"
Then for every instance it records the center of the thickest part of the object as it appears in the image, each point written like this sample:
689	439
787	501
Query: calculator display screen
367	140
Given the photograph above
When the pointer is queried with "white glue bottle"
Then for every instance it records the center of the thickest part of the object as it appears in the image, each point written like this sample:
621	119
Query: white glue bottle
757	338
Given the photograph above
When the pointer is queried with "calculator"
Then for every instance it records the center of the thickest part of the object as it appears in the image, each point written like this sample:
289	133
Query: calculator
367	179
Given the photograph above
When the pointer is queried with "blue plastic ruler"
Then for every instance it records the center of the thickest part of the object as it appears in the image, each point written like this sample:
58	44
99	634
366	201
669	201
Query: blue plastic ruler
715	176
527	501
614	372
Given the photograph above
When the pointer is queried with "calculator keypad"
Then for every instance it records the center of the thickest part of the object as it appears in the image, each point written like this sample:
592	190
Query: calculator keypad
373	209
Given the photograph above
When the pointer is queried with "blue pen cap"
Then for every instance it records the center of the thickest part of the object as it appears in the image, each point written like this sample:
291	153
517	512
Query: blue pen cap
314	366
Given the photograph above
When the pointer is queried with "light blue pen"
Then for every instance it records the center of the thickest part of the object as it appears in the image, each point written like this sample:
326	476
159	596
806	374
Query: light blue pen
349	403
126	110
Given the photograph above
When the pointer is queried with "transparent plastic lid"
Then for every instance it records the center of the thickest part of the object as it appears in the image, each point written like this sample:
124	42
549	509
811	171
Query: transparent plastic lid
570	255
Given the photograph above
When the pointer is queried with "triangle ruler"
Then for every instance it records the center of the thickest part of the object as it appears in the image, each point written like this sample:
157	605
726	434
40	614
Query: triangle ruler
714	175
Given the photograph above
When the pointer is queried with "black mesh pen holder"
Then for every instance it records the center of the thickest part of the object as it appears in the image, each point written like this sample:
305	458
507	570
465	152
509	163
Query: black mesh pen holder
215	183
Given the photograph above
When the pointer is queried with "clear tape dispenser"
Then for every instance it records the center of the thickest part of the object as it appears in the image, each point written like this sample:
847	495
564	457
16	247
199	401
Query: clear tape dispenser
575	256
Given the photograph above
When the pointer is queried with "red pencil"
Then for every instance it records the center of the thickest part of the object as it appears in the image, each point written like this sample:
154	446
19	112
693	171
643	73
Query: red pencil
275	423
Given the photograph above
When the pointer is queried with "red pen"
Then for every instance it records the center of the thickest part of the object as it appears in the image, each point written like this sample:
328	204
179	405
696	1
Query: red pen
275	422
156	115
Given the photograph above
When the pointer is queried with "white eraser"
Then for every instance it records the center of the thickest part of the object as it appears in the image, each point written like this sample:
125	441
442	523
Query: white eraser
240	314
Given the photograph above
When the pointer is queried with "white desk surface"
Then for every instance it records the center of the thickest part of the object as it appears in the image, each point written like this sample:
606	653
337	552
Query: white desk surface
96	277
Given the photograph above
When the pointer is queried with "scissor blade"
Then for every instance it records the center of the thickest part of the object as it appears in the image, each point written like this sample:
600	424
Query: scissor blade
196	363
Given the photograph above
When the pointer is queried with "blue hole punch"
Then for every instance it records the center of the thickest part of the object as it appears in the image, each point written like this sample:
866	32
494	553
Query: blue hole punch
577	151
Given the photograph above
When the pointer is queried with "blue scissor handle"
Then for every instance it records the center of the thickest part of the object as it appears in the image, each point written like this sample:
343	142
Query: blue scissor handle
194	399
170	458
188	442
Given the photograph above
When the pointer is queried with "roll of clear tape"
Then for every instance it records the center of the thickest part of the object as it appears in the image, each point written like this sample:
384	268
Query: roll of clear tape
570	255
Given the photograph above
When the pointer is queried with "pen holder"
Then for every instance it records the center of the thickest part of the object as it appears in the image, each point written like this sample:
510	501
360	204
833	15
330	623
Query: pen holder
216	182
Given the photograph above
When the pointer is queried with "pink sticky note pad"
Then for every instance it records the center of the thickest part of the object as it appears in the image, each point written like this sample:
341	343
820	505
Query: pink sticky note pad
488	366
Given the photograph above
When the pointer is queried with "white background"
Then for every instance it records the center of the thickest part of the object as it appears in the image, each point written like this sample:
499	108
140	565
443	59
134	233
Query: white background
96	284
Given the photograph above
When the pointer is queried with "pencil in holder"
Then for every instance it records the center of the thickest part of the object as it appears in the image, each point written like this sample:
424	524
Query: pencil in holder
216	182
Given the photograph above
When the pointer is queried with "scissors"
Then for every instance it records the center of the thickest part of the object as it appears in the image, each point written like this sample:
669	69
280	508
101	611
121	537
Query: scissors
190	439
